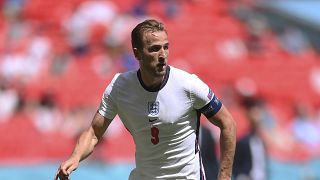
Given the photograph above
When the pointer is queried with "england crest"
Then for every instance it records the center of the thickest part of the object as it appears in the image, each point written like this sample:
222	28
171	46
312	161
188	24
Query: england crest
153	108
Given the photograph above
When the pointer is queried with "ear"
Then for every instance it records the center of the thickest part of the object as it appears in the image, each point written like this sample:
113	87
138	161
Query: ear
136	53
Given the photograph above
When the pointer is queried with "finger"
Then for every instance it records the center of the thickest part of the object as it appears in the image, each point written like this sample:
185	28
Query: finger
57	174
71	169
64	168
63	176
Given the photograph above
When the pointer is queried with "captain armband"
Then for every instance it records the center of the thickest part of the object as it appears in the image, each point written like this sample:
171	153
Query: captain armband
212	107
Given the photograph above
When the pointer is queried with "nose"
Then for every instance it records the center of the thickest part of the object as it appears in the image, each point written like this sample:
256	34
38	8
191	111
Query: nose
163	54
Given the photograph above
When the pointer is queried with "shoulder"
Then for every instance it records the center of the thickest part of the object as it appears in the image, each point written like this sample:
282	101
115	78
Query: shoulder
124	78
181	78
181	74
190	82
185	77
120	81
178	71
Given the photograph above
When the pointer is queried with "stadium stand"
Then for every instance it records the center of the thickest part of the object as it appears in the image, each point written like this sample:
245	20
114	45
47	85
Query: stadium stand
206	39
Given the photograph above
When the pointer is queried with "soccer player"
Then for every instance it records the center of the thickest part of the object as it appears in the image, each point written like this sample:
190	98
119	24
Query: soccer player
160	106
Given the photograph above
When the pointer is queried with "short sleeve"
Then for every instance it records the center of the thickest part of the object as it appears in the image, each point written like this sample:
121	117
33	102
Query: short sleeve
201	94
108	108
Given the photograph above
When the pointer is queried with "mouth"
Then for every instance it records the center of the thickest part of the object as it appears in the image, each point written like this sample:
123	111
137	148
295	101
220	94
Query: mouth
161	65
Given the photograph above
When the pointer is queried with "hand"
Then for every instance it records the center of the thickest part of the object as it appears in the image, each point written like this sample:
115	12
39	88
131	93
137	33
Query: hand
66	168
61	176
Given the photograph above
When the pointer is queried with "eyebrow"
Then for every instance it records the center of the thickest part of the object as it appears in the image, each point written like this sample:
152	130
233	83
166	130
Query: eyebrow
166	44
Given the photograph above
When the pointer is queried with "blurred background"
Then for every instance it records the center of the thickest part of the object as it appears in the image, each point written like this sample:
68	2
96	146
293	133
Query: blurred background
261	57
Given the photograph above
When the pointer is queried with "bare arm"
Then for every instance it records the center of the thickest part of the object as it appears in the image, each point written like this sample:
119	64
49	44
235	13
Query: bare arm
85	145
227	125
90	137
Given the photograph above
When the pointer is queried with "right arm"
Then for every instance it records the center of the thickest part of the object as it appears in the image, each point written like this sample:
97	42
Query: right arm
85	145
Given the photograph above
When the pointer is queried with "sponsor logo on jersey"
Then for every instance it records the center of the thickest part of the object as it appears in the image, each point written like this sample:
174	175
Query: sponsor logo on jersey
152	119
210	94
153	108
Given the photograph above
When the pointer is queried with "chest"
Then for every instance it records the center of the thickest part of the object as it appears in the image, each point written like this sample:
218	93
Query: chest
140	109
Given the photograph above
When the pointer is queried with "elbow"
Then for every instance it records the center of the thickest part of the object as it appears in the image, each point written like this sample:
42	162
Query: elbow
92	136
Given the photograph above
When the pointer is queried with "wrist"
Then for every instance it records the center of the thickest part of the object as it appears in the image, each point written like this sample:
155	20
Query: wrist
76	157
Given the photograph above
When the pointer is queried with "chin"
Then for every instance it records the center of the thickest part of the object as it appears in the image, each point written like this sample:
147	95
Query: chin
160	74
162	71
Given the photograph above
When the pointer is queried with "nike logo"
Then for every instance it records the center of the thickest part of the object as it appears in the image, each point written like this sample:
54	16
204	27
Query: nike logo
151	120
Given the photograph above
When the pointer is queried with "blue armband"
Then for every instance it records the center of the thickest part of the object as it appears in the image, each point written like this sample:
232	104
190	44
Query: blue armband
212	107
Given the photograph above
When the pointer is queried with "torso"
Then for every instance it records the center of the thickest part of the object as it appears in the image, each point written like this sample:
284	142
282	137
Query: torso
163	124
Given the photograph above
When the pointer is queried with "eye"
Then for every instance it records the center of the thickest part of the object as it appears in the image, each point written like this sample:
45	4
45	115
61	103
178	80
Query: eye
166	47
154	48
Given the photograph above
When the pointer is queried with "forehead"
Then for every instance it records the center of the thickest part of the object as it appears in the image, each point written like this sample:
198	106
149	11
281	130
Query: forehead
156	37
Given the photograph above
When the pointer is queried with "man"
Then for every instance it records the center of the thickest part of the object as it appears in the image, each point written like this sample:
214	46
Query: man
160	106
251	157
208	153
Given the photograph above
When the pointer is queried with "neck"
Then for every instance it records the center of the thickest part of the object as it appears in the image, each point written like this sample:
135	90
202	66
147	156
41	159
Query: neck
151	81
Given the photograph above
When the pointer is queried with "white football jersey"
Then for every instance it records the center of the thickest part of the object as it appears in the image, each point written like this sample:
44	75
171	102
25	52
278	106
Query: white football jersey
164	122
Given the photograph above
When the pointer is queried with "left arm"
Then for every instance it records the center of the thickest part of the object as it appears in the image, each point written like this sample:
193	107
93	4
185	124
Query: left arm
227	125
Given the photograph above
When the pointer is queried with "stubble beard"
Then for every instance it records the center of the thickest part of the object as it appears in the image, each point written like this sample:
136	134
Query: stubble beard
161	70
